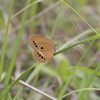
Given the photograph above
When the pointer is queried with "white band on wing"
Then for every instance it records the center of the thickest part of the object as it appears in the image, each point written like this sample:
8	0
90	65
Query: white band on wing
41	53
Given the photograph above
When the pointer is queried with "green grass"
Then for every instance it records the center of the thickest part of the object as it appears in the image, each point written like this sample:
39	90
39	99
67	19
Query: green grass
70	71
5	39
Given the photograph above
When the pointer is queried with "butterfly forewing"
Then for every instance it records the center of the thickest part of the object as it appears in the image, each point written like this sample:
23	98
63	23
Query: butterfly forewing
35	40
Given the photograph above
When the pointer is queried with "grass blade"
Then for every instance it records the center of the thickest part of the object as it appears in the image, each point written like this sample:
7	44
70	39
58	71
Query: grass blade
5	38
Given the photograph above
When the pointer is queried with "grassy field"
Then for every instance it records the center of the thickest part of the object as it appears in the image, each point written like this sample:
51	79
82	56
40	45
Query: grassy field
73	72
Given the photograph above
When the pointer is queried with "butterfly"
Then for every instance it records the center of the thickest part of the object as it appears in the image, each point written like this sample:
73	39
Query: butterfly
43	48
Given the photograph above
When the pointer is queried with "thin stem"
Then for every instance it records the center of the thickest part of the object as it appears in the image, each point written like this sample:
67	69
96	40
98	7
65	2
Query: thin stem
80	16
83	41
37	90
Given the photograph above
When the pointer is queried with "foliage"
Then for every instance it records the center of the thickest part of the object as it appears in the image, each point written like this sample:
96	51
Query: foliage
72	73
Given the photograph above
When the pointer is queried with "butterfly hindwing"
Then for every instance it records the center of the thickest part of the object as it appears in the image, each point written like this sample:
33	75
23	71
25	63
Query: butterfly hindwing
39	56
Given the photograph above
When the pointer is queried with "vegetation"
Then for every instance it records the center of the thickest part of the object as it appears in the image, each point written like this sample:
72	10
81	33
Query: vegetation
73	72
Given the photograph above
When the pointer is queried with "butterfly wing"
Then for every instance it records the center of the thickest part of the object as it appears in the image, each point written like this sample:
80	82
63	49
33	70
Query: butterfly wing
39	56
43	48
36	40
44	52
33	40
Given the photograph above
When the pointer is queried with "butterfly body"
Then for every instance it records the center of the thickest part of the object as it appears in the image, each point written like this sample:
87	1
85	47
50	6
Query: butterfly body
43	48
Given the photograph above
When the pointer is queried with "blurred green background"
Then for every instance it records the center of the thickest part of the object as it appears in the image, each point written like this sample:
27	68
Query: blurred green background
67	71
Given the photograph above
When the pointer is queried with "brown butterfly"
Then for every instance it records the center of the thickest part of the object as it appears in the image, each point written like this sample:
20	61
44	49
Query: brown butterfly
43	48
